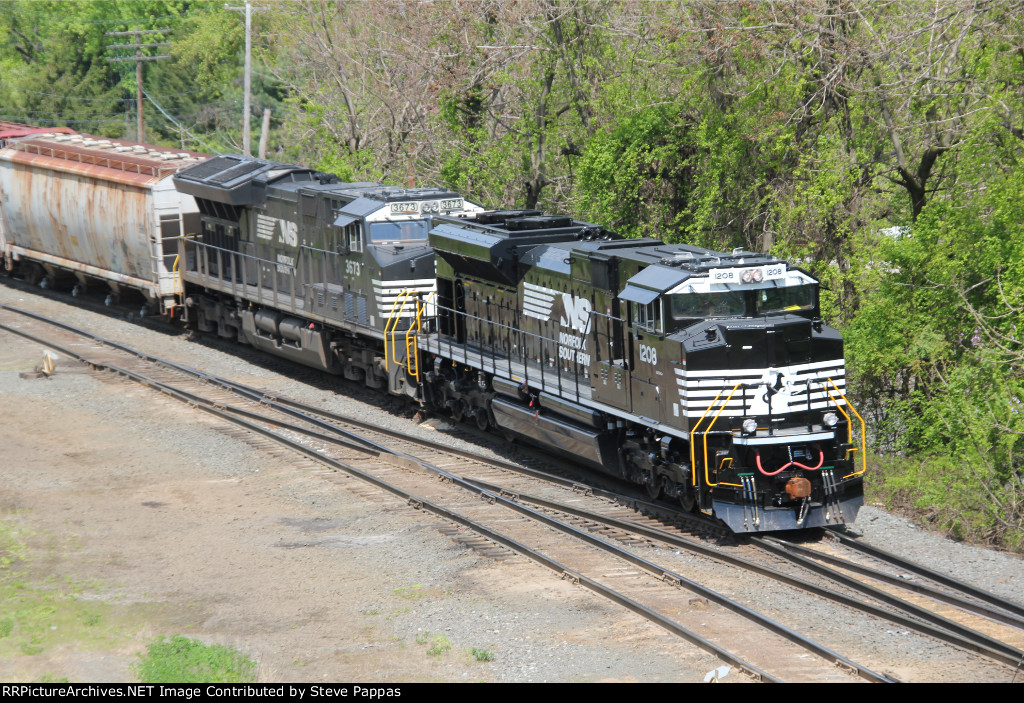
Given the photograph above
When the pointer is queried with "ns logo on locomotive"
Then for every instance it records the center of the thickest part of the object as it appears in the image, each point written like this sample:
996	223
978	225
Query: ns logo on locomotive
706	377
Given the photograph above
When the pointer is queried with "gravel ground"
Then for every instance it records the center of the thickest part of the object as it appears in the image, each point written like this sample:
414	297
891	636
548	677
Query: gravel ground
217	539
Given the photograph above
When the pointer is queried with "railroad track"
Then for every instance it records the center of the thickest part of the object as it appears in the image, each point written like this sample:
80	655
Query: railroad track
514	511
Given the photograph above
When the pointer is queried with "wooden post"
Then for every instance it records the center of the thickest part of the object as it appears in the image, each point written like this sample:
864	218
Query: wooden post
265	133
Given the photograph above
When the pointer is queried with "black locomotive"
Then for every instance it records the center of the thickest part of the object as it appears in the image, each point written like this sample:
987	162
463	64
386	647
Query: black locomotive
304	266
706	377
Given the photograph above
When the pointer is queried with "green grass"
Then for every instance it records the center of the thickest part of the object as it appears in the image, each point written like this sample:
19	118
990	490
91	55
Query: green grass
183	660
414	592
481	655
439	646
39	613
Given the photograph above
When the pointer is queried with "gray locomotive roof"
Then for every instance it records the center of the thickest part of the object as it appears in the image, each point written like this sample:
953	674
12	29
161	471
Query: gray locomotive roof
243	180
236	180
679	257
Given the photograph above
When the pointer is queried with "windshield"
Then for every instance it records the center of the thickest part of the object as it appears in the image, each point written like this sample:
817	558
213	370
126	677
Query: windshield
782	300
404	231
693	306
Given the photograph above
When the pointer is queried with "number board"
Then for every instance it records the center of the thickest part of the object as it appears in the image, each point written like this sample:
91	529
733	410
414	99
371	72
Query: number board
767	272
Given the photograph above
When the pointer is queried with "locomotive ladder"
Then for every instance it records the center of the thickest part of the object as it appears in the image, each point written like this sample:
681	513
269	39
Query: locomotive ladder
411	361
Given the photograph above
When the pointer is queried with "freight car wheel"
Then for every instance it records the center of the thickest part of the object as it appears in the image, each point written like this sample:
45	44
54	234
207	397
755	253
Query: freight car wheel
32	273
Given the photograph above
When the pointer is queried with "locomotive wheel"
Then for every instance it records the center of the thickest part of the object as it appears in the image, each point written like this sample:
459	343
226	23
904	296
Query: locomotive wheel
481	420
653	488
686	499
459	410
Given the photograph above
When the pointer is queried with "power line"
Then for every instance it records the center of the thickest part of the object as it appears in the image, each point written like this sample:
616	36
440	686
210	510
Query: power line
138	46
179	125
73	98
63	18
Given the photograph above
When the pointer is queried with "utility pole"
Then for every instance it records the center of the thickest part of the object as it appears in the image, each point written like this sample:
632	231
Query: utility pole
247	108
138	59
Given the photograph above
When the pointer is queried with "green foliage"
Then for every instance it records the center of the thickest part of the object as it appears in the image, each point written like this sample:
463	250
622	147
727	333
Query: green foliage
481	655
439	646
633	176
183	660
57	68
939	358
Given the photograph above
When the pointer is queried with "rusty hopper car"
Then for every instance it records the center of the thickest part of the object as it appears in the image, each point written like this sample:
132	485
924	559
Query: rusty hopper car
303	266
707	377
96	209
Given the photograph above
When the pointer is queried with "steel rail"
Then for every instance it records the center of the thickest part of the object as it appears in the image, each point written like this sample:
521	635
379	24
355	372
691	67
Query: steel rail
949	581
360	443
417	502
982	609
966	637
794	581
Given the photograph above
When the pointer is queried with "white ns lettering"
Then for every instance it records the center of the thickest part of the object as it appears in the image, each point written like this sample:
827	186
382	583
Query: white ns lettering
289	233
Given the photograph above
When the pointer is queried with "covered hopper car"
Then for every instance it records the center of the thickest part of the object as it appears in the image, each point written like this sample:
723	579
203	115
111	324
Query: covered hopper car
99	210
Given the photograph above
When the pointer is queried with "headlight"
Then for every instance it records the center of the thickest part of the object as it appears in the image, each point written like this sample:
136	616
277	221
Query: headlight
830	419
750	425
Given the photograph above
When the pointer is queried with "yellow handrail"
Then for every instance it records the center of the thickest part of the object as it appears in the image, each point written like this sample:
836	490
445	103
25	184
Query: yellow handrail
707	476
177	277
849	429
392	323
410	337
693	453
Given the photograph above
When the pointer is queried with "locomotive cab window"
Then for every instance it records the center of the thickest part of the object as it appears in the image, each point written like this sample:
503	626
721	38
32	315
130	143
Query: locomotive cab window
776	301
353	235
403	231
693	307
648	317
